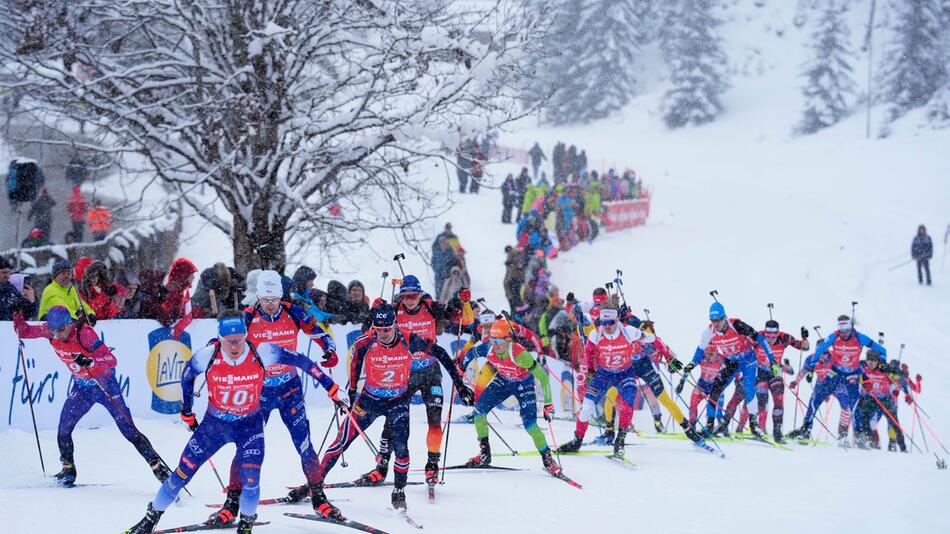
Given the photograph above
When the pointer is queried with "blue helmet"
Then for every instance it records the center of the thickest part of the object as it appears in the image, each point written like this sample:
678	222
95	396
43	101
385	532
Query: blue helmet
384	316
716	311
410	284
58	318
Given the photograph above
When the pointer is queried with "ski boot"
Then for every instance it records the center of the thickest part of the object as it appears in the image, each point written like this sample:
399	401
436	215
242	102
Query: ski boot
549	464
754	430
710	426
376	476
66	477
777	435
609	434
483	458
843	437
321	505
399	499
690	433
159	470
246	524
572	446
228	511
298	493
802	432
147	524
619	443
722	430
432	468
658	424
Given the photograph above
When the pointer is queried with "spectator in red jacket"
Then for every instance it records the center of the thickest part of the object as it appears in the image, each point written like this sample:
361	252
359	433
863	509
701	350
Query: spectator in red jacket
77	206
180	278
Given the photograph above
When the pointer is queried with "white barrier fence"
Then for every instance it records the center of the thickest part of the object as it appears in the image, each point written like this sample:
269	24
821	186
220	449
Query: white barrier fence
149	370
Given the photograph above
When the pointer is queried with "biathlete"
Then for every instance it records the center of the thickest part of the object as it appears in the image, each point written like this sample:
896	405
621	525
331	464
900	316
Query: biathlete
277	322
235	371
92	366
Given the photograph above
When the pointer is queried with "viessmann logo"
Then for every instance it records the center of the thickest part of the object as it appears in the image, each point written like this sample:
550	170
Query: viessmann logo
270	335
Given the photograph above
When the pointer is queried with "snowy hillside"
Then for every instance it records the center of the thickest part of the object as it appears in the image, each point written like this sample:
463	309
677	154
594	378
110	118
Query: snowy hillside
741	206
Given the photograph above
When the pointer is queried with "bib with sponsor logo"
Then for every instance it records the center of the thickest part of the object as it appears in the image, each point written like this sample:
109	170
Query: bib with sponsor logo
235	389
387	369
66	351
421	323
616	354
877	383
506	366
778	351
282	332
846	353
729	343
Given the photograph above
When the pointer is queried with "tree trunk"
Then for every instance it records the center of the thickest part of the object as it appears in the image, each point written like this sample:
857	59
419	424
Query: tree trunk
262	248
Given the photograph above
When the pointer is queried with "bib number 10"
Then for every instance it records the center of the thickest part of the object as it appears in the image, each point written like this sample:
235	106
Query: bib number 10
239	397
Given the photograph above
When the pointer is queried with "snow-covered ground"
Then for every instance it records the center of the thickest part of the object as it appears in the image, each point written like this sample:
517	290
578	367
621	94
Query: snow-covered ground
740	206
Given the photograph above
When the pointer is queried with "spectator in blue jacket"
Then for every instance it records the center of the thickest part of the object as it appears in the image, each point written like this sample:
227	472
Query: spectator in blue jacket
922	249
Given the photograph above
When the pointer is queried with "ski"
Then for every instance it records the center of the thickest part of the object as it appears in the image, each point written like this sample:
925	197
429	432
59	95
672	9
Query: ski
622	461
405	515
751	437
344	523
708	448
563	453
358	484
278	500
432	493
484	467
565	478
201	526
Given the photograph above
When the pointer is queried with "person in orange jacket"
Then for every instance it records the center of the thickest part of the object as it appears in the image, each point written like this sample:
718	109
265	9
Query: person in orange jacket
100	221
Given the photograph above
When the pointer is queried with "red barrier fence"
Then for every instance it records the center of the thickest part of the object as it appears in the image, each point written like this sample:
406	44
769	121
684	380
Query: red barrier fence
623	214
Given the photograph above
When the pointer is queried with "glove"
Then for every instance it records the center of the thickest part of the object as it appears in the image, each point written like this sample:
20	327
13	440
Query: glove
189	419
377	302
465	294
91	320
647	326
679	387
809	376
334	394
622	313
675	365
351	395
793	385
466	394
548	412
908	399
689	367
82	360
776	370
330	359
804	333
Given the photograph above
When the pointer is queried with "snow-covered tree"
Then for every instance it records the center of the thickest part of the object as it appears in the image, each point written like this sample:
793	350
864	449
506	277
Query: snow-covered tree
598	69
697	65
303	117
915	63
829	86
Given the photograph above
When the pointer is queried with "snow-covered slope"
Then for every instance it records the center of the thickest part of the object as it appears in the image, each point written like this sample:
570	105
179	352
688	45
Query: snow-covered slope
739	206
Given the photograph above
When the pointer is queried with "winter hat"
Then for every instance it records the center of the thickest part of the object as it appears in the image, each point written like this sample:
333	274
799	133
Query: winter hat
250	298
771	326
410	284
36	232
269	285
716	311
608	314
58	318
60	266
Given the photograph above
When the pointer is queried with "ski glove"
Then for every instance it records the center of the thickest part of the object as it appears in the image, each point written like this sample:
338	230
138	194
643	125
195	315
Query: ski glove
189	419
679	387
330	359
908	399
689	367
793	385
548	412
809	376
82	360
466	394
318	314
804	333
675	365
776	370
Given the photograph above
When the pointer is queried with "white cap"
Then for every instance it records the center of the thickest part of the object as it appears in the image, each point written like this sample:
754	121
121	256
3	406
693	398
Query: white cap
268	285
608	314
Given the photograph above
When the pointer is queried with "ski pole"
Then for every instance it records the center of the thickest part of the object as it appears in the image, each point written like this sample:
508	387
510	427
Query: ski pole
398	259
513	452
932	433
706	433
800	353
352	419
554	441
448	429
619	282
128	419
917	422
799	399
894	420
392	294
29	396
327	434
336	420
383	285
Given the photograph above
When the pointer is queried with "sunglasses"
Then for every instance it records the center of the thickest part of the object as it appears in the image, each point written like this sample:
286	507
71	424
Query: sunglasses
384	329
269	300
58	330
498	340
411	295
609	322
